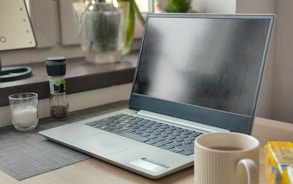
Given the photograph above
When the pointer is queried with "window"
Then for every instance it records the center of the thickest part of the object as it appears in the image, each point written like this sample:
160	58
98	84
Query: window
68	29
56	33
145	5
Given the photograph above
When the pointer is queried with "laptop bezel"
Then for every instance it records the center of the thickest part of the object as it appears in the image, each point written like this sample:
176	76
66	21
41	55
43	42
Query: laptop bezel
227	120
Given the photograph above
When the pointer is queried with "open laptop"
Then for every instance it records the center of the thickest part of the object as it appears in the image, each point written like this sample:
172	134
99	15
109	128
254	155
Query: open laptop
196	73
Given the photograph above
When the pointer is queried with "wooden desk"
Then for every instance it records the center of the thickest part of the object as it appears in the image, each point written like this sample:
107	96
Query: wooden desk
94	171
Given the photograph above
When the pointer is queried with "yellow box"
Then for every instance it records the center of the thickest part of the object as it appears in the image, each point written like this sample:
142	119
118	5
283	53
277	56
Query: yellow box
288	175
278	158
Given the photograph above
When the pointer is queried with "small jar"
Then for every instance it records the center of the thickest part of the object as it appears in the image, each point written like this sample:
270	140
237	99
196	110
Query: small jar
56	69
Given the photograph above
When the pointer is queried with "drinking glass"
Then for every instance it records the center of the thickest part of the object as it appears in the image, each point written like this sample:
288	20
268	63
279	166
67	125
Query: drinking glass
24	110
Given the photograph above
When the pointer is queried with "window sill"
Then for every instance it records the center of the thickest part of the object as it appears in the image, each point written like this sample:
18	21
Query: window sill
80	76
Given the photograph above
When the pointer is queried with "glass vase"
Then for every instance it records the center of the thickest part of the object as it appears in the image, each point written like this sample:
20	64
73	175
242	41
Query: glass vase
101	27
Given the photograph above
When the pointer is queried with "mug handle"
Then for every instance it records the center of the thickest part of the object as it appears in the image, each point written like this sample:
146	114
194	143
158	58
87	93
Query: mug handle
251	170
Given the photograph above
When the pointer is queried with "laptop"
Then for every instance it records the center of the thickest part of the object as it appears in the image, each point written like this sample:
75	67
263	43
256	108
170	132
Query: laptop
196	73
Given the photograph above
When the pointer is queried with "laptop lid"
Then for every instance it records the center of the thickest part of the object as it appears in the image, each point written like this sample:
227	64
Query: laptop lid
205	68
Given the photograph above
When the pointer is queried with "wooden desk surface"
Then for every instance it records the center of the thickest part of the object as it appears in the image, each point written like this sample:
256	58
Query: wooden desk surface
94	171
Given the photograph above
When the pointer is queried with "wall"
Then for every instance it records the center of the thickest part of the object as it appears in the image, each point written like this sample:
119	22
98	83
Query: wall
214	6
283	83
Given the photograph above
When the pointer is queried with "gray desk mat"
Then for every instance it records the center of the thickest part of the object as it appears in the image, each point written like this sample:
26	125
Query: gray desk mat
26	154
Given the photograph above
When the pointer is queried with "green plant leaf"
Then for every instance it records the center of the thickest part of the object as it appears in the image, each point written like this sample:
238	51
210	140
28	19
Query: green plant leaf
128	42
133	11
137	12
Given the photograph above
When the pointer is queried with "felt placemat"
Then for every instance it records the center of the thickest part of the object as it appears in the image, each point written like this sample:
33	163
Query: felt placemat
27	154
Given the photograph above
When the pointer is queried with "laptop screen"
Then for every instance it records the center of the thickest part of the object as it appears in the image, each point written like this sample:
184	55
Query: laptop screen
209	64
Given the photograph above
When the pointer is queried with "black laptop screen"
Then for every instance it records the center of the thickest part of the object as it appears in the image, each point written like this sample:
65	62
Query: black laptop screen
213	62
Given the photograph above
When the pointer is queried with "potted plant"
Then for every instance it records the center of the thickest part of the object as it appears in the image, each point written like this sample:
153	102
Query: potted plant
106	28
178	6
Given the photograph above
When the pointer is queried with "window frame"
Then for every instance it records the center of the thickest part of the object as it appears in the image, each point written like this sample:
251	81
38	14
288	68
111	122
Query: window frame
48	34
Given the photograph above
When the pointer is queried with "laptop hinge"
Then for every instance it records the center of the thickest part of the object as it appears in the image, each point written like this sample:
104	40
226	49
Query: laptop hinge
181	122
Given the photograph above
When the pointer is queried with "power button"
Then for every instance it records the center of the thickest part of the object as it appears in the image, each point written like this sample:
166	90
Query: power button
2	39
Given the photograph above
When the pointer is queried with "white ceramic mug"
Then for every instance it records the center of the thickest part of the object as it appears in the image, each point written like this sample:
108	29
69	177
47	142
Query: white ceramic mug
226	158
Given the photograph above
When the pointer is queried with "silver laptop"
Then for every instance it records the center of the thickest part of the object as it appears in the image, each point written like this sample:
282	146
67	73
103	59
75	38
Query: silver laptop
196	73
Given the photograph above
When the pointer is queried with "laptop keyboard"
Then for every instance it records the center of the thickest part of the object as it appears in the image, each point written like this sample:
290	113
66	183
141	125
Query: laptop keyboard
168	137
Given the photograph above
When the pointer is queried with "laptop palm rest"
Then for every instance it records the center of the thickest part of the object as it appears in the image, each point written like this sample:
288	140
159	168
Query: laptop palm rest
103	144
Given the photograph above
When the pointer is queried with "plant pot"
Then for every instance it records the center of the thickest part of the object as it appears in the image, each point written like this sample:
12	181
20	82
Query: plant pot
102	28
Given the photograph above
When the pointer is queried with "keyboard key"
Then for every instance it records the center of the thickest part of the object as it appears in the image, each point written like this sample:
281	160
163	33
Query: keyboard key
151	142
131	136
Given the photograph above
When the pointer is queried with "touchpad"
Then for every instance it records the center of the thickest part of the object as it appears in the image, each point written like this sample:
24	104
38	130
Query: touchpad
103	144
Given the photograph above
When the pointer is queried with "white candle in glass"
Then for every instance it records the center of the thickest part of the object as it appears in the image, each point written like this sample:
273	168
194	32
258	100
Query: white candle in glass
25	116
